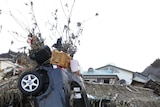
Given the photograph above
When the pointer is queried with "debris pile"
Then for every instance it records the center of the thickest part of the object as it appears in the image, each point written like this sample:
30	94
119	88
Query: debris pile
123	95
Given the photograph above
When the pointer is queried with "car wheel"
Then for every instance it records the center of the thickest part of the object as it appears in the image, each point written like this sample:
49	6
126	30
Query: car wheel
30	83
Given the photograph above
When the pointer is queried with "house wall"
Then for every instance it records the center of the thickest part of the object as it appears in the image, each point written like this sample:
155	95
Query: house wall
121	74
125	75
108	79
103	80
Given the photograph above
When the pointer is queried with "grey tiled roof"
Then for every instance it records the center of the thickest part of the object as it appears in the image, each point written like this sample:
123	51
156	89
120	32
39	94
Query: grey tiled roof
10	55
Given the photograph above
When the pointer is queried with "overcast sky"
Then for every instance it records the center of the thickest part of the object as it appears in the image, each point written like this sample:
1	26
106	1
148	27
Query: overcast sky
126	33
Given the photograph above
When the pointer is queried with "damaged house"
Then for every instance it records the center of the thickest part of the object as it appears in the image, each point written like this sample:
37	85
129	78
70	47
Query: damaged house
8	67
152	72
139	79
149	78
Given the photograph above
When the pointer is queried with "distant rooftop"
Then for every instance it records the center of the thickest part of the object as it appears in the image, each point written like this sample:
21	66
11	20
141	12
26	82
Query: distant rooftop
9	56
99	72
111	65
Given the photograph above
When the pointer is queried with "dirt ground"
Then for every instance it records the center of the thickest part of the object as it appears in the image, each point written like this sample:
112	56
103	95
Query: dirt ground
124	95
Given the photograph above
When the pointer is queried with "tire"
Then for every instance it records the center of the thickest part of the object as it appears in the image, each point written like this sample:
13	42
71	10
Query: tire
30	83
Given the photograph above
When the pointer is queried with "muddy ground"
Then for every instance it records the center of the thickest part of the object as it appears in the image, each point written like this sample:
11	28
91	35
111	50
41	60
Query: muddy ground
124	95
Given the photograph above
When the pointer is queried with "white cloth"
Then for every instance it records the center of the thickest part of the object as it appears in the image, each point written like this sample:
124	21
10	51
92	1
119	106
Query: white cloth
74	65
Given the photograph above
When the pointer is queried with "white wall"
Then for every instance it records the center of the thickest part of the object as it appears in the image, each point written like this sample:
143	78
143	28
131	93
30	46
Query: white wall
125	75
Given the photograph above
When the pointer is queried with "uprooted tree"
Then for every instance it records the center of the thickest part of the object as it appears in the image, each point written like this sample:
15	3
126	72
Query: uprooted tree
67	37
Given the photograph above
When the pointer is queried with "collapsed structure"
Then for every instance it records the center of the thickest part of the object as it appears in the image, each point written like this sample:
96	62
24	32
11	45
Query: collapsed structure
98	94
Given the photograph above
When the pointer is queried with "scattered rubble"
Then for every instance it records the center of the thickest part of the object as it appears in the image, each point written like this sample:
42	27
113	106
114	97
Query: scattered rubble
123	95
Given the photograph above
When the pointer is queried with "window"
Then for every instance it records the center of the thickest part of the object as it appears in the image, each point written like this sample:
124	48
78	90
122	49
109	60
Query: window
106	81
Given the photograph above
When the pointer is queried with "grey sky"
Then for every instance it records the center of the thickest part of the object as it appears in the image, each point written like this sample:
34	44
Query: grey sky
126	33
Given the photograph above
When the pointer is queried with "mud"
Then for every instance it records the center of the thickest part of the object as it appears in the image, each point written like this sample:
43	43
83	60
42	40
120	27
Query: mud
124	95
